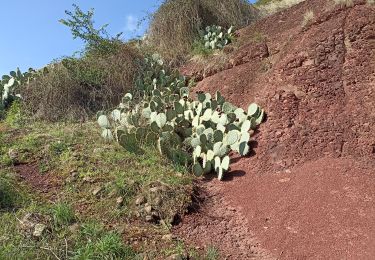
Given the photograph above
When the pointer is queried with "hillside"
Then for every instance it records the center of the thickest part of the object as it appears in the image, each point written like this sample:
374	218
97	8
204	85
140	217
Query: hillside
308	190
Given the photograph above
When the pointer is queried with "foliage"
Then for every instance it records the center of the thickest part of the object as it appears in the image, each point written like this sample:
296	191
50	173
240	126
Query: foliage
9	197
173	38
215	37
63	214
78	87
82	26
201	132
95	243
10	85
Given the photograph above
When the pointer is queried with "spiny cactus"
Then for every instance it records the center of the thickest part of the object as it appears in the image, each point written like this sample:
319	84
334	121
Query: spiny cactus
216	37
164	114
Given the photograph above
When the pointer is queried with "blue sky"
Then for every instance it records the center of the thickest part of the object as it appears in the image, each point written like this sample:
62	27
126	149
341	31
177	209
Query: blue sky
31	35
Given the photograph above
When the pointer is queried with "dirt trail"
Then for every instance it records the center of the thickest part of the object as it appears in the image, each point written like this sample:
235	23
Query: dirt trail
309	190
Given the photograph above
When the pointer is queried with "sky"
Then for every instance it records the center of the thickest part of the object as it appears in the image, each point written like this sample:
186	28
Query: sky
31	35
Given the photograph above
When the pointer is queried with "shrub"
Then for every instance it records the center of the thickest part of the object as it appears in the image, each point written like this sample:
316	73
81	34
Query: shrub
82	26
307	17
75	88
201	132
269	7
176	24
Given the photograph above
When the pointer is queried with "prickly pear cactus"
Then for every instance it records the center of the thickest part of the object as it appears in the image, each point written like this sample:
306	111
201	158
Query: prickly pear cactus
162	112
216	37
9	84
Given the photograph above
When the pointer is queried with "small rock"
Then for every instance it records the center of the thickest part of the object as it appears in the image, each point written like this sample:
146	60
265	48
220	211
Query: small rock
38	230
26	223
167	237
149	218
119	201
96	191
13	155
158	201
179	174
175	257
74	174
148	209
88	179
140	200
154	189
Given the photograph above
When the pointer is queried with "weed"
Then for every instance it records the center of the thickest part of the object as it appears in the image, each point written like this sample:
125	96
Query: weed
95	243
344	3
307	17
9	196
14	116
269	7
212	253
63	214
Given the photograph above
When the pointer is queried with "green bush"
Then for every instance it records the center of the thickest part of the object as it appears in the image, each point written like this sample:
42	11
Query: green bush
176	24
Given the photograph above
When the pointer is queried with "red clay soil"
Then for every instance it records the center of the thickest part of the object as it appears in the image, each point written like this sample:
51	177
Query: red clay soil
309	190
45	184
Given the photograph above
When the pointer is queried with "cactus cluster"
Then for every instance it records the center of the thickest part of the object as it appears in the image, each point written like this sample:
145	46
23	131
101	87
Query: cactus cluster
199	133
10	83
216	37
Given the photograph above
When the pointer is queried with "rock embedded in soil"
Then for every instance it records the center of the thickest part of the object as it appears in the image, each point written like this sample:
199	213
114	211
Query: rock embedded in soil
96	191
39	229
140	200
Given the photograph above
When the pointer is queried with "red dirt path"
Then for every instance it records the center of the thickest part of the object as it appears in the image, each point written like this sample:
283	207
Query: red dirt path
309	190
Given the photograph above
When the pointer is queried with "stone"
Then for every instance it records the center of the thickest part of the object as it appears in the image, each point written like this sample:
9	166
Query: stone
96	191
149	218
39	229
140	200
119	201
148	209
168	237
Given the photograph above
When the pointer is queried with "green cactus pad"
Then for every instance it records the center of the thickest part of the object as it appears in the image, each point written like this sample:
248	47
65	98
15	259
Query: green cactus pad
218	136
184	92
104	122
116	115
195	142
232	137
260	118
198	170
253	110
246	126
225	163
107	135
244	149
201	97
179	108
171	114
161	120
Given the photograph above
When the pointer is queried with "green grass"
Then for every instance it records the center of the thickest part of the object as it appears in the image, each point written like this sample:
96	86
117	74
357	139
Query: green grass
63	214
79	225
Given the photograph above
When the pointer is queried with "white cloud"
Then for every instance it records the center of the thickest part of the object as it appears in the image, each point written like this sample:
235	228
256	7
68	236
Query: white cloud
131	23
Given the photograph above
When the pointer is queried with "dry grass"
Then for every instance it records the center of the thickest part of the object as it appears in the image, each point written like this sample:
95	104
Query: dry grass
176	24
308	16
270	7
344	3
74	89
